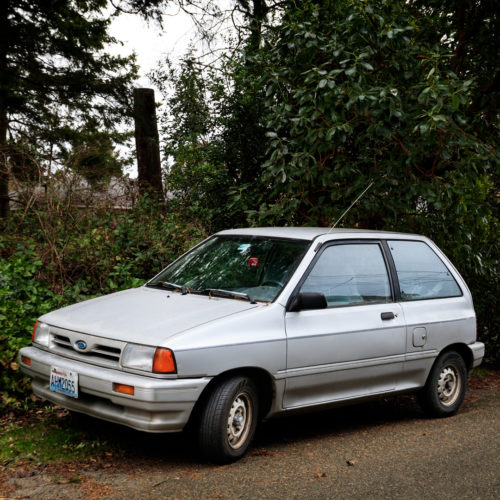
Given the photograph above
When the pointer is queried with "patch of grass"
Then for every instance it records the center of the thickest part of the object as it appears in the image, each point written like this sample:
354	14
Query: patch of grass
480	372
48	439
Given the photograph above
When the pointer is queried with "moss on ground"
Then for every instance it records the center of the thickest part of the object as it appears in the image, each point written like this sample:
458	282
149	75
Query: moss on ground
48	436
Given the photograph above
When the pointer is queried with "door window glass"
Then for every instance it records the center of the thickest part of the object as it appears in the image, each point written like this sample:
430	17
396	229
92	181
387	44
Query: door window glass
350	274
421	273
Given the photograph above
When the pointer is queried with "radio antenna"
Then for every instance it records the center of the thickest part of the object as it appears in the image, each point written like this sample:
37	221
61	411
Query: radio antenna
352	204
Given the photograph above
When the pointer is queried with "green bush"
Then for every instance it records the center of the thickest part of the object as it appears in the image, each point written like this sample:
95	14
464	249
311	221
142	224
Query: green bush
359	93
22	299
49	261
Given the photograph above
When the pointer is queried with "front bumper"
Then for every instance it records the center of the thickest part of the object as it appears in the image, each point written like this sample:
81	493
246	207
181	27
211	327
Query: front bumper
158	405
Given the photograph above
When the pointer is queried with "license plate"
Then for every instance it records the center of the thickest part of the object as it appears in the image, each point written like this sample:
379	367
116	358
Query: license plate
64	381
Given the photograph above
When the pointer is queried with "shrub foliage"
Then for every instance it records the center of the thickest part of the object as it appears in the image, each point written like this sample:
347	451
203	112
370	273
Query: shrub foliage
57	255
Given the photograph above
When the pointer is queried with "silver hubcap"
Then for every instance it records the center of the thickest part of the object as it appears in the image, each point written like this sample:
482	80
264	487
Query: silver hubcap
239	419
449	385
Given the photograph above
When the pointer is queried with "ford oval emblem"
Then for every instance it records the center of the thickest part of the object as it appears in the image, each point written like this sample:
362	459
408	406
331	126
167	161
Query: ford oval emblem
82	345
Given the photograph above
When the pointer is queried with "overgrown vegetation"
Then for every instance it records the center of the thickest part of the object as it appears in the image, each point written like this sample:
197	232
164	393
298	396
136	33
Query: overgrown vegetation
359	92
314	101
58	254
328	97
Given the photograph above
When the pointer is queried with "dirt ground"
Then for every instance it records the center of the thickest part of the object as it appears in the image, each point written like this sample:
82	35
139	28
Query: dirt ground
383	449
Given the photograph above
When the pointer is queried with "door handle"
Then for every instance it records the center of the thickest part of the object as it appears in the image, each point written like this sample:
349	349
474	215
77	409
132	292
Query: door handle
387	315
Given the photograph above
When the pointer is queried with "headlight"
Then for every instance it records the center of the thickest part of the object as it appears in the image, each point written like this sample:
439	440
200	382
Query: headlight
41	334
148	359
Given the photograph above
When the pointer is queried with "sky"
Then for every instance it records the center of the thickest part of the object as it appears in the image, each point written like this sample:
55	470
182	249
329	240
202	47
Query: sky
149	41
152	44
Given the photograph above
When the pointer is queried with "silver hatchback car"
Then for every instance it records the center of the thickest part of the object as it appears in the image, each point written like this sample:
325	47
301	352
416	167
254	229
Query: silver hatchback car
252	323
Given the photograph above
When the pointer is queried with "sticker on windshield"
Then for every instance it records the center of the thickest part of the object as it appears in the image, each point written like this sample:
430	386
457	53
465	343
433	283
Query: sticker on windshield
253	262
243	247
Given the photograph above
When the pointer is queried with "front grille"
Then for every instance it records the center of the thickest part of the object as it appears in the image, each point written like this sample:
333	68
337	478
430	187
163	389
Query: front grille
62	341
112	352
97	350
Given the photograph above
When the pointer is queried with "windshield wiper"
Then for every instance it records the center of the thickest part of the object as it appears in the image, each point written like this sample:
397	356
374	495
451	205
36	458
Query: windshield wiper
171	286
218	292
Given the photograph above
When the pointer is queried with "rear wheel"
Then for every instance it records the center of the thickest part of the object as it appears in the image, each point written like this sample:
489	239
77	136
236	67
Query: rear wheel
445	388
229	419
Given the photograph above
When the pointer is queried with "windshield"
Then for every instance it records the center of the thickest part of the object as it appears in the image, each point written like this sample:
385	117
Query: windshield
256	266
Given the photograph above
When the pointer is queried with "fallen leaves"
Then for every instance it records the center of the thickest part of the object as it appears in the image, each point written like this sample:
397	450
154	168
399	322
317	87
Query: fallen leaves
320	474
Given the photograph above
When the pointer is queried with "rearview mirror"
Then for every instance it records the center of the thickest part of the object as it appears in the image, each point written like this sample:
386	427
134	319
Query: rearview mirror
307	300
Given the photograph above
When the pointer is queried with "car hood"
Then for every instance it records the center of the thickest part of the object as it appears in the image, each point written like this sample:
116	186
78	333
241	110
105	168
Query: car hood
143	315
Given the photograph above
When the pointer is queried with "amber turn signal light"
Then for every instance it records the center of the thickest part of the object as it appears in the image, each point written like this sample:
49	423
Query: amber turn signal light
124	389
26	360
164	361
34	330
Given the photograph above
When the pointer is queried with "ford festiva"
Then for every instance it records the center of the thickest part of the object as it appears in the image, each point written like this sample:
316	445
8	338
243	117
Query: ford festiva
252	323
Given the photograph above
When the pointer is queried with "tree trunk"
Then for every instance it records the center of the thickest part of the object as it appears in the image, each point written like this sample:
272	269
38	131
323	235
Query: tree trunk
4	171
4	123
256	14
147	143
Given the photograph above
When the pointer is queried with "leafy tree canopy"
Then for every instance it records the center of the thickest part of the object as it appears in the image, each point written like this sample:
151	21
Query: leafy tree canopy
379	91
326	97
53	65
357	91
56	77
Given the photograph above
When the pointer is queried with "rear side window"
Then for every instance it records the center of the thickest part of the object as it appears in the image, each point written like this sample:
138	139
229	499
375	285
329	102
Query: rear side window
421	273
350	274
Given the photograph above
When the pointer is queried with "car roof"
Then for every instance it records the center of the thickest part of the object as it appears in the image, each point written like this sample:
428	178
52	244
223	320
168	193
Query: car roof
308	233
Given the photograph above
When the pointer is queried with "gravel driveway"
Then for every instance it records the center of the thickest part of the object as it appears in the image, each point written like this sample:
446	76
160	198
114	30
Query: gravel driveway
384	449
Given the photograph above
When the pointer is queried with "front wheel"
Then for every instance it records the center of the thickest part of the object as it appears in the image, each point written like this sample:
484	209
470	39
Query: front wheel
229	419
445	388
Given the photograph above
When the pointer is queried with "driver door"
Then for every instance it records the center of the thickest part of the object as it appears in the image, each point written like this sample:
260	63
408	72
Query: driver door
356	346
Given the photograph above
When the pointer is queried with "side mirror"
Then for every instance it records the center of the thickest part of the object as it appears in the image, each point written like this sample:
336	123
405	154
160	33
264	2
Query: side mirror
307	300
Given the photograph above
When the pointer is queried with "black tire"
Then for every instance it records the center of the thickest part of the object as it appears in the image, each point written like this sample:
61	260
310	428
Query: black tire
228	420
445	388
